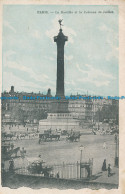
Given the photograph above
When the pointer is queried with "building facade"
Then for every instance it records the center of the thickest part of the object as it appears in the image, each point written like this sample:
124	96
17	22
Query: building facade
33	110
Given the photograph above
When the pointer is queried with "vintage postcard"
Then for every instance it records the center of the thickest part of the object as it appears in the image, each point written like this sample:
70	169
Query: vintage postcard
62	96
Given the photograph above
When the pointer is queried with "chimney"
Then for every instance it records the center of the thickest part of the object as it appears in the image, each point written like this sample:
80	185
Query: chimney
49	92
12	89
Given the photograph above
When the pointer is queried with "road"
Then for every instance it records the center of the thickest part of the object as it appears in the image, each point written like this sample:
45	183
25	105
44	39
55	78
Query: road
57	152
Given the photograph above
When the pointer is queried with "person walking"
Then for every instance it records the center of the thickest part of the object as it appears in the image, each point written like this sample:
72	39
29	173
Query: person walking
104	145
57	175
104	165
2	166
109	170
11	167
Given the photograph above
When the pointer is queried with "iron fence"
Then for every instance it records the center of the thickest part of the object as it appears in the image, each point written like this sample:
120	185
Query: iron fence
64	171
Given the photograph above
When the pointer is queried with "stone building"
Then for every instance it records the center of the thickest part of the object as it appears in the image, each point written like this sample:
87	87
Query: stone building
79	109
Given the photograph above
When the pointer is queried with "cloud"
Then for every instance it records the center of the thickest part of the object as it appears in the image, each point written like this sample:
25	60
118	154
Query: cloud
20	83
103	27
17	65
113	53
36	34
70	82
112	42
55	30
7	24
51	58
68	58
44	79
9	53
94	76
75	91
6	55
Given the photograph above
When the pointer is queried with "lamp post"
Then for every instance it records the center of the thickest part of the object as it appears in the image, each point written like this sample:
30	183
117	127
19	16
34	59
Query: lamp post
81	150
23	154
98	117
116	150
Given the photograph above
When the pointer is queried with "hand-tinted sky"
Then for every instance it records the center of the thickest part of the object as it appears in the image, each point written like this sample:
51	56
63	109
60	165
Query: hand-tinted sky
91	53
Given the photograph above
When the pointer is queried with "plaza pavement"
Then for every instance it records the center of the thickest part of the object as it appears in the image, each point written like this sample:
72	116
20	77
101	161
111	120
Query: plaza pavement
102	177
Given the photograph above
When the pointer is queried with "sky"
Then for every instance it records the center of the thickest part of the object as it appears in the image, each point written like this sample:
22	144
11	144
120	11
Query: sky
29	53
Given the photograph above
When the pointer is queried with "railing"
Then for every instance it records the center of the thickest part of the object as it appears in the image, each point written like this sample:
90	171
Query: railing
64	171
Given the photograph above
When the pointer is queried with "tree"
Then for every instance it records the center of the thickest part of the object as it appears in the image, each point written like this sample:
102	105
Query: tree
107	112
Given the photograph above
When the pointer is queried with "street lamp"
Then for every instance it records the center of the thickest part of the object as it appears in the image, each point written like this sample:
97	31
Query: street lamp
81	149
98	117
116	150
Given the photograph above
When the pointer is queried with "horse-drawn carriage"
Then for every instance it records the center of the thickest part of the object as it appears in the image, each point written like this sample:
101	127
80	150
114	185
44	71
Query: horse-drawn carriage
64	132
7	136
73	136
39	167
48	136
9	151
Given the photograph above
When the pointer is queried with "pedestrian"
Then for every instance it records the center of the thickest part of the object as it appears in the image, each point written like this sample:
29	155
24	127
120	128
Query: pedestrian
104	165
57	175
88	171
23	152
2	166
104	145
12	146
109	170
11	167
17	137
